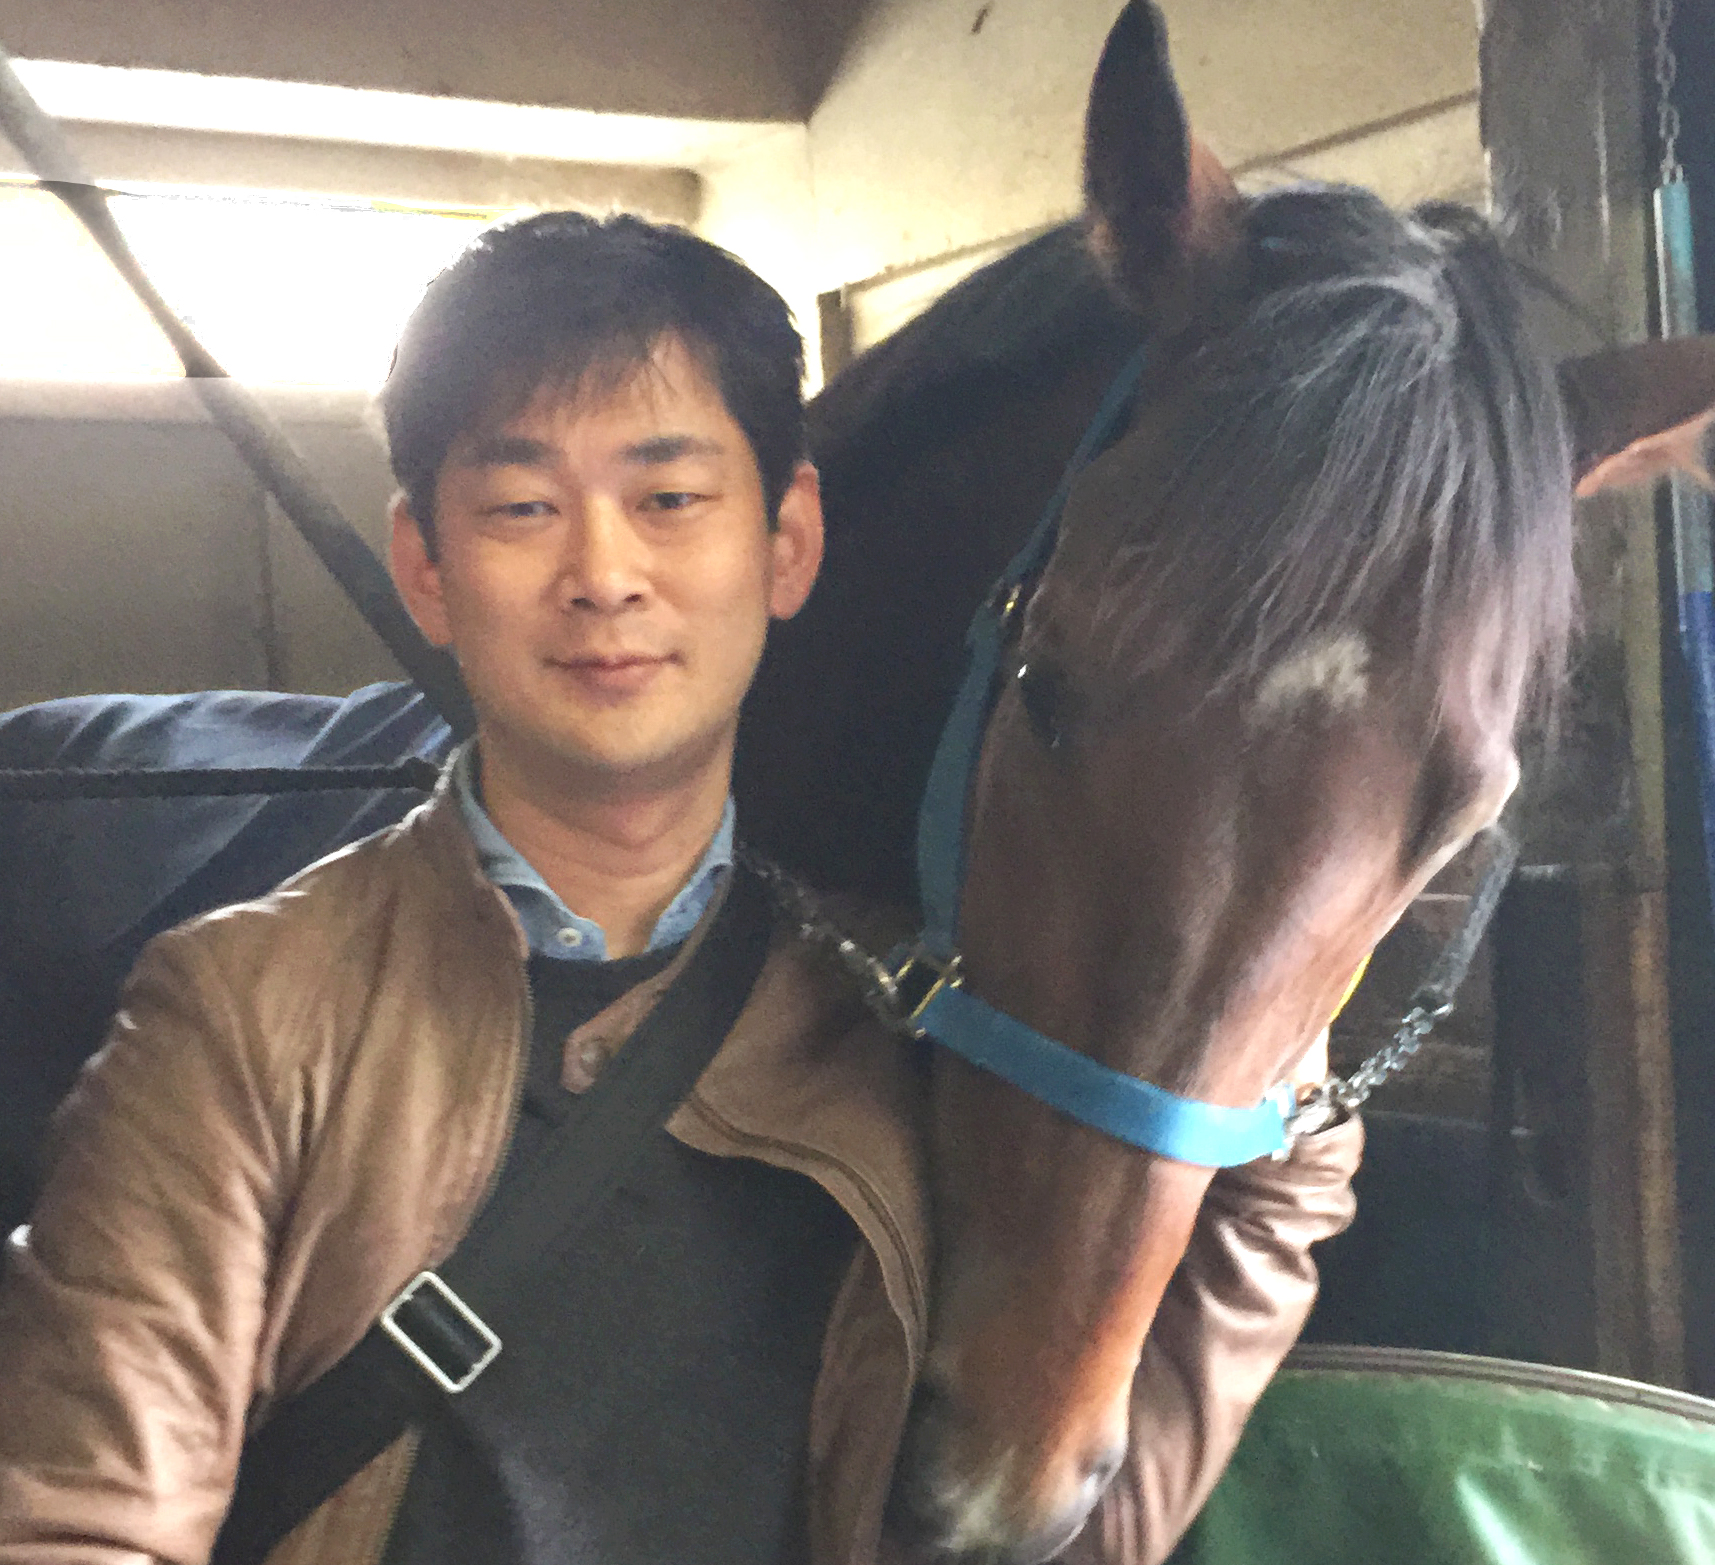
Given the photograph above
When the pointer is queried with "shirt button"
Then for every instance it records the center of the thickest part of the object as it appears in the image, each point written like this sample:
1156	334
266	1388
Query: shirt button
570	938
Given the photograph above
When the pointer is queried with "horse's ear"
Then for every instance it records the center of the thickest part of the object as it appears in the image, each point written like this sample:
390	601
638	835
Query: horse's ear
1641	411
1155	200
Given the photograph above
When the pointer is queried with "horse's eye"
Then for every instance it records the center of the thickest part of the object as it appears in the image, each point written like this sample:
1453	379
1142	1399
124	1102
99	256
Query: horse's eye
1042	689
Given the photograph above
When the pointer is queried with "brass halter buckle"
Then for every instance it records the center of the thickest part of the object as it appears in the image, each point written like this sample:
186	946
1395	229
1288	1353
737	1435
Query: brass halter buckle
914	983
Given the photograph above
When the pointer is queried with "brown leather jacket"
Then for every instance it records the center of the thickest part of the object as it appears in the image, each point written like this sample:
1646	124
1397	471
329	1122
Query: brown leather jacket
304	1101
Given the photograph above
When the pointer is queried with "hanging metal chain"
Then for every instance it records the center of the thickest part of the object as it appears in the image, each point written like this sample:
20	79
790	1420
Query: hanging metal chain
1667	113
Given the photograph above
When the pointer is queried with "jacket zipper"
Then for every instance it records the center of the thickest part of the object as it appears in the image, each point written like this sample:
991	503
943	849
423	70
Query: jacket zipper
800	1159
377	1549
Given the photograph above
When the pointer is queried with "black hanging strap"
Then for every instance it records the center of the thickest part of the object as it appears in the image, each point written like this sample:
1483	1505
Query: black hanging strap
481	1294
61	783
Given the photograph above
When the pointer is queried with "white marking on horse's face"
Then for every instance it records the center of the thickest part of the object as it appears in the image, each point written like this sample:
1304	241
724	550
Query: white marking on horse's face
1332	669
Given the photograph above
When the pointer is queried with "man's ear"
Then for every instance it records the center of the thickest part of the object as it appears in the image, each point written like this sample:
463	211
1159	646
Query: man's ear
796	543
417	575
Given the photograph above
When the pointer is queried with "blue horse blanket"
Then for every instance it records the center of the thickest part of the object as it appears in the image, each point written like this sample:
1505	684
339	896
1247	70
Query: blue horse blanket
85	883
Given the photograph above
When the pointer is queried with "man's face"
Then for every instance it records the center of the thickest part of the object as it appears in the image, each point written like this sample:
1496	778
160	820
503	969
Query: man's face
605	575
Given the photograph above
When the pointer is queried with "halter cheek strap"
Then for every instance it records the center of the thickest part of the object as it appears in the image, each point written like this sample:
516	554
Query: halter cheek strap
941	818
929	991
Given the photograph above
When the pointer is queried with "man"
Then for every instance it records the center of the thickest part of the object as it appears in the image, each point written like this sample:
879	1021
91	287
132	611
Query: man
598	436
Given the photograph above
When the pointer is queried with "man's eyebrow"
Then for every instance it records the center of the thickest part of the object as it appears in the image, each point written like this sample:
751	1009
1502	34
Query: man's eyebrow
509	451
661	449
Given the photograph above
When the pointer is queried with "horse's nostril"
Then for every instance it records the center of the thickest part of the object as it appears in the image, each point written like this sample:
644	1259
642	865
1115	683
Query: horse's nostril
957	1515
1100	1472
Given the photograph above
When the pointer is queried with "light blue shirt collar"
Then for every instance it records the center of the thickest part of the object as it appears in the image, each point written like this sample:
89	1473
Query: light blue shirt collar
552	928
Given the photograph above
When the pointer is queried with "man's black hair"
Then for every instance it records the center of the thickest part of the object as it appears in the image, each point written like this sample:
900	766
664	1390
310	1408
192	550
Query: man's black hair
567	300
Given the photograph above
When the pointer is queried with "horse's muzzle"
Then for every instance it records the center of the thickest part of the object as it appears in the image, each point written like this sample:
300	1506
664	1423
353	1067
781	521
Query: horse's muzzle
996	1515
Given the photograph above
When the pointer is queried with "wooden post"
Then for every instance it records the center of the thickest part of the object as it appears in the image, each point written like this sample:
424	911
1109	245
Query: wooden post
1562	114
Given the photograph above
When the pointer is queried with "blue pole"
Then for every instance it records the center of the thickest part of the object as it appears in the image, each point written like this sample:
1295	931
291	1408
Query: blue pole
1692	511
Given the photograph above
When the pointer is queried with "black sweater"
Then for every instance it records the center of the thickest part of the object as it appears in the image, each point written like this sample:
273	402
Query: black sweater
659	1413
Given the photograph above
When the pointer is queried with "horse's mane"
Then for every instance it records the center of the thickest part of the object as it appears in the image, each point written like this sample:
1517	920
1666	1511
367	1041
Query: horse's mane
1038	303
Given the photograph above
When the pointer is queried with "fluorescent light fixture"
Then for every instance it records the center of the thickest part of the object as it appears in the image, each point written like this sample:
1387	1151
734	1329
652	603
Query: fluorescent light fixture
182	100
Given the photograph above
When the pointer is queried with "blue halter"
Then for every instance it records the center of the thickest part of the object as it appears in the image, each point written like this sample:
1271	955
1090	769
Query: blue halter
930	990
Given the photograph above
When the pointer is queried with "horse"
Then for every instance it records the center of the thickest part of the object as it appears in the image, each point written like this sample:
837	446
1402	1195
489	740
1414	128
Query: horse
1266	685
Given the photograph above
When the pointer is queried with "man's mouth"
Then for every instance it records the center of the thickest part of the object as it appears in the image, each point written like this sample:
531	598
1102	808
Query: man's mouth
606	660
611	673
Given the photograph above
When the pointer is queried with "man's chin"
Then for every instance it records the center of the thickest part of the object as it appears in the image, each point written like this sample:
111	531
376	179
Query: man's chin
614	765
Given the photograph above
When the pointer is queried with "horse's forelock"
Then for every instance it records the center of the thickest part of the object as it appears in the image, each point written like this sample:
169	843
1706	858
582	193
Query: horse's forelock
1372	433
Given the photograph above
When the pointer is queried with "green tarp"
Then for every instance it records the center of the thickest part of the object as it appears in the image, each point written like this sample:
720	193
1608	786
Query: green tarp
1391	1457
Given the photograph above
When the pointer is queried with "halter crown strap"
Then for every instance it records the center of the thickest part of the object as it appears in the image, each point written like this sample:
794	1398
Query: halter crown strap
1125	1107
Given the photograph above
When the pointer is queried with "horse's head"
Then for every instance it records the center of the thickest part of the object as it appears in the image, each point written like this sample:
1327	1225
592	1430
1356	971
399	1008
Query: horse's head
1267	686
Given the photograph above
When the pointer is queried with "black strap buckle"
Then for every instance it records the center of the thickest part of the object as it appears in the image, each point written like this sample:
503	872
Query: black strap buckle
442	1334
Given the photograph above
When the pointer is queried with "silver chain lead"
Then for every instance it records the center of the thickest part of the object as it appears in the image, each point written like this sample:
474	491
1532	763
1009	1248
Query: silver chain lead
801	905
1342	1094
1667	113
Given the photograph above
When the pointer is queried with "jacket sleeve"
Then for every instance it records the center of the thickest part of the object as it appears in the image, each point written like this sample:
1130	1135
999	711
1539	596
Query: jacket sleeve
130	1310
1232	1310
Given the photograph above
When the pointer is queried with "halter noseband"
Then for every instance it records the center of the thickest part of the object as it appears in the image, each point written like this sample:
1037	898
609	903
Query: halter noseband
929	994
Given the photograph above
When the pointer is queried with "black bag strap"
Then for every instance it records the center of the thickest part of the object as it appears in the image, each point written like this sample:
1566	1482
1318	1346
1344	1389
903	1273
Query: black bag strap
445	1326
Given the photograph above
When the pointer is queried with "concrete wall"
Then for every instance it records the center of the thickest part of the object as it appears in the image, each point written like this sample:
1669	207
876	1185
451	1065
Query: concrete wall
136	552
952	123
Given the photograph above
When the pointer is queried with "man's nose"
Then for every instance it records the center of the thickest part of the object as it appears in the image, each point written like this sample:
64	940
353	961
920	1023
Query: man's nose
604	564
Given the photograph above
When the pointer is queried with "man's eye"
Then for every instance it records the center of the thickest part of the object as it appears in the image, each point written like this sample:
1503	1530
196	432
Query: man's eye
672	499
1042	689
521	509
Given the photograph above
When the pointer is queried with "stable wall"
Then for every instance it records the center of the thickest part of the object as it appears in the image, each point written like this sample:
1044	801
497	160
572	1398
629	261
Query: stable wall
137	553
716	59
951	124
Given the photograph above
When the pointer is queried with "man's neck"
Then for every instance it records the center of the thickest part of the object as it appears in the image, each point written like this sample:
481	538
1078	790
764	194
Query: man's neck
616	859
